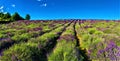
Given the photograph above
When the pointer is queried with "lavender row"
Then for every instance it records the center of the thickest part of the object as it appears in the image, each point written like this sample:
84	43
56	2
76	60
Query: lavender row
95	41
66	49
33	49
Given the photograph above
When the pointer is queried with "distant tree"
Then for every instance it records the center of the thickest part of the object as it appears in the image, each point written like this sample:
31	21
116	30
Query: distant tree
27	17
16	17
1	14
7	16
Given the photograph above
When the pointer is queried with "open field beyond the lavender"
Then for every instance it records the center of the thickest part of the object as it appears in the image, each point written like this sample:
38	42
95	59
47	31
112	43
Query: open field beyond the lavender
68	40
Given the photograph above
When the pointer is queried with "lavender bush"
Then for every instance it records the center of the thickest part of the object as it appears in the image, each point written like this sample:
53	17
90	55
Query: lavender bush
111	52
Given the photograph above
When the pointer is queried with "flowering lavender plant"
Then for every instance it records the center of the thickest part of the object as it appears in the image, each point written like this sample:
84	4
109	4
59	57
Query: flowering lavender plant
112	51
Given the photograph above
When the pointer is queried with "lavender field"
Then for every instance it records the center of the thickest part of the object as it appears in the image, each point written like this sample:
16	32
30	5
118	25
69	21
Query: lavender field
60	40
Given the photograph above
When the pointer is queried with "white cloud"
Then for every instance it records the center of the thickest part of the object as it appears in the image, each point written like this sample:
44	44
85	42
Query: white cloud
1	10
38	0
44	5
5	12
1	7
13	5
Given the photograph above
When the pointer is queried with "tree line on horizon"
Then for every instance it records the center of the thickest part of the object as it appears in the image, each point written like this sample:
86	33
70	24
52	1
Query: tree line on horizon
7	17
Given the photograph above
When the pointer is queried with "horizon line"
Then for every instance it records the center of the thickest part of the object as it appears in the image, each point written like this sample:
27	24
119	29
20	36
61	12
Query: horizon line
75	19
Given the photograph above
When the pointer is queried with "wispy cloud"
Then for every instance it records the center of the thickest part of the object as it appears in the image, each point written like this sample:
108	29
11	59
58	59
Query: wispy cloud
38	0
1	7
13	5
1	10
44	5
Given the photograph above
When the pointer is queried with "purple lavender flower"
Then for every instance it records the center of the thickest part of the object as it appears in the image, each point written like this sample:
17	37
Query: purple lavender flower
67	37
101	51
88	26
112	51
14	58
36	29
118	53
1	53
111	45
118	47
112	58
5	39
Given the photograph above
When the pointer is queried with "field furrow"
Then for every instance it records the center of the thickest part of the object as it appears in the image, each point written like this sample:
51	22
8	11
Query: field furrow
24	37
66	49
39	44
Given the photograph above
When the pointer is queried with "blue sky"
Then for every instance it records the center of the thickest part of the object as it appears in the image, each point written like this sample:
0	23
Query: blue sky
63	9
